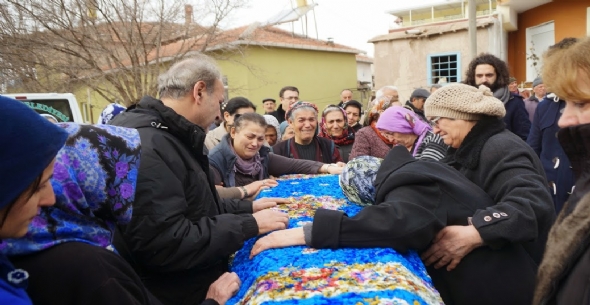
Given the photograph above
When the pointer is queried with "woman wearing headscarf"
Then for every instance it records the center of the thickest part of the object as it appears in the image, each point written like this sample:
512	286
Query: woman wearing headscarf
563	274
470	121
403	127
271	135
67	248
241	158
334	126
306	145
368	140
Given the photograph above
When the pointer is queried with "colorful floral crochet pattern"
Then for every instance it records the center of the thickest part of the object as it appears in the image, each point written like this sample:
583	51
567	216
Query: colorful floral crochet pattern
301	275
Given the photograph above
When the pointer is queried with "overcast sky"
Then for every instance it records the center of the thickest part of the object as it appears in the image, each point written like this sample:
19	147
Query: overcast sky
348	22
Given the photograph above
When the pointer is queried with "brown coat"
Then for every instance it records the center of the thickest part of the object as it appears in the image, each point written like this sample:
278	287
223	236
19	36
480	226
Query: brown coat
368	143
564	273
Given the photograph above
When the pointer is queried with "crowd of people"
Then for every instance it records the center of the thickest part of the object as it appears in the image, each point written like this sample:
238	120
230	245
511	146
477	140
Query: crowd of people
148	206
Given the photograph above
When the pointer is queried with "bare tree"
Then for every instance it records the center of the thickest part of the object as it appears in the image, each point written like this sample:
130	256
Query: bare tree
116	48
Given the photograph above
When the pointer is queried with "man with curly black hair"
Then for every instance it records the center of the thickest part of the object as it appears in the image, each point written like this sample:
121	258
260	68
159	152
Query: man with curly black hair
491	71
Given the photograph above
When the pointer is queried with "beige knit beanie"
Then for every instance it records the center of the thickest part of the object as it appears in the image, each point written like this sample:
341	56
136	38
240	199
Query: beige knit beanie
463	102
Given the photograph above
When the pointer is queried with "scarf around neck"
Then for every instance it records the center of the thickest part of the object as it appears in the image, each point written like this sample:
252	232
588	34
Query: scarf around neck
502	94
249	167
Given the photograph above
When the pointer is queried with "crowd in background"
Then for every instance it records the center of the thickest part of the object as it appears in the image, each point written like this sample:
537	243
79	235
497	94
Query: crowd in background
487	185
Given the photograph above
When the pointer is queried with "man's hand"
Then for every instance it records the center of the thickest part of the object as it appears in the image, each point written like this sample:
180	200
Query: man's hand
279	239
255	187
269	220
265	203
450	245
224	288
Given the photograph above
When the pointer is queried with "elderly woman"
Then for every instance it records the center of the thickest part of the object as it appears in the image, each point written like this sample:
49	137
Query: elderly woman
407	205
563	274
403	127
303	117
470	121
241	159
368	140
272	130
335	127
229	109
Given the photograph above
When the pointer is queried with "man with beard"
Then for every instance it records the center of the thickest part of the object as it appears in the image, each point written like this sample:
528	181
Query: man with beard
492	72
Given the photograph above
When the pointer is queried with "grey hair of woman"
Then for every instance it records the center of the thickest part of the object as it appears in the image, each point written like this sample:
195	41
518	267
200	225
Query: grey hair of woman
379	92
331	109
181	78
293	114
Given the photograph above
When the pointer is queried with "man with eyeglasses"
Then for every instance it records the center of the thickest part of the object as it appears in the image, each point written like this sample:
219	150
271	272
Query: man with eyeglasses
289	95
491	71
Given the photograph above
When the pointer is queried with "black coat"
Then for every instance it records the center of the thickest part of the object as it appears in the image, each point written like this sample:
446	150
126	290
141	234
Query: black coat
181	234
542	139
415	200
510	172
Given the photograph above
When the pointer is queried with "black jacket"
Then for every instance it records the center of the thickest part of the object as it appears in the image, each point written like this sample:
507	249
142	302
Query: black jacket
517	118
279	114
565	270
181	233
415	200
510	172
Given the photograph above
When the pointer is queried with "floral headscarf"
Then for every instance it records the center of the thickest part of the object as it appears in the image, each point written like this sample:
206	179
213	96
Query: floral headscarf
379	105
94	181
357	179
298	105
347	136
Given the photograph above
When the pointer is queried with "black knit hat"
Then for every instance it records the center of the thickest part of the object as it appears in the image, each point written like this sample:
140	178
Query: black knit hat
29	143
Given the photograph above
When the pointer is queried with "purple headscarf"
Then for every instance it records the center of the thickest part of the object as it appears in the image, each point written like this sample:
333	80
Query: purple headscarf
402	120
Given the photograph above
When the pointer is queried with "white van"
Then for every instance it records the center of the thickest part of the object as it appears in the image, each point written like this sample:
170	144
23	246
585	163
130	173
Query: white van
57	107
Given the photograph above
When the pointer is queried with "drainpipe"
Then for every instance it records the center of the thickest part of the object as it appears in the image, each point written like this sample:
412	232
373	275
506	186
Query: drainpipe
472	29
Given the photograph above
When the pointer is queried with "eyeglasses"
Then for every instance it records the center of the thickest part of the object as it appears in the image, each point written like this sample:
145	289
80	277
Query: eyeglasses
434	121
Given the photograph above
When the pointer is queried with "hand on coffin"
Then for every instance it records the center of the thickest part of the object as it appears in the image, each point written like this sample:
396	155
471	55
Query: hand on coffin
279	239
255	187
265	203
224	288
269	220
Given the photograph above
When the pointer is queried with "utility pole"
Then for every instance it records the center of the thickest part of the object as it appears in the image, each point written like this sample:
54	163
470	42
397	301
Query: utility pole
472	28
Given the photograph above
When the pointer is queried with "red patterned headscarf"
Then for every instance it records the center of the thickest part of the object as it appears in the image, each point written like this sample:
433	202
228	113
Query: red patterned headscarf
347	136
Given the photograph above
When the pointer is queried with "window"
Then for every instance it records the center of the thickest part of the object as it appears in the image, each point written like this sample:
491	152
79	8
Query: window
444	68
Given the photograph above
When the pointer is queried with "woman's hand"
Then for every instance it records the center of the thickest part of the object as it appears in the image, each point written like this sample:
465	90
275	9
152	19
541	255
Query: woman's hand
255	187
450	245
333	168
279	239
265	203
224	288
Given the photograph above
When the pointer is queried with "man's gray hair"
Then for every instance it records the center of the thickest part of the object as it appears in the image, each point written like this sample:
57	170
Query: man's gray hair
182	76
379	92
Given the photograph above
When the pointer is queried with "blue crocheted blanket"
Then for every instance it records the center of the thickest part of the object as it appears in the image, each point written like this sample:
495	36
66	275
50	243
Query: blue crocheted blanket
301	275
